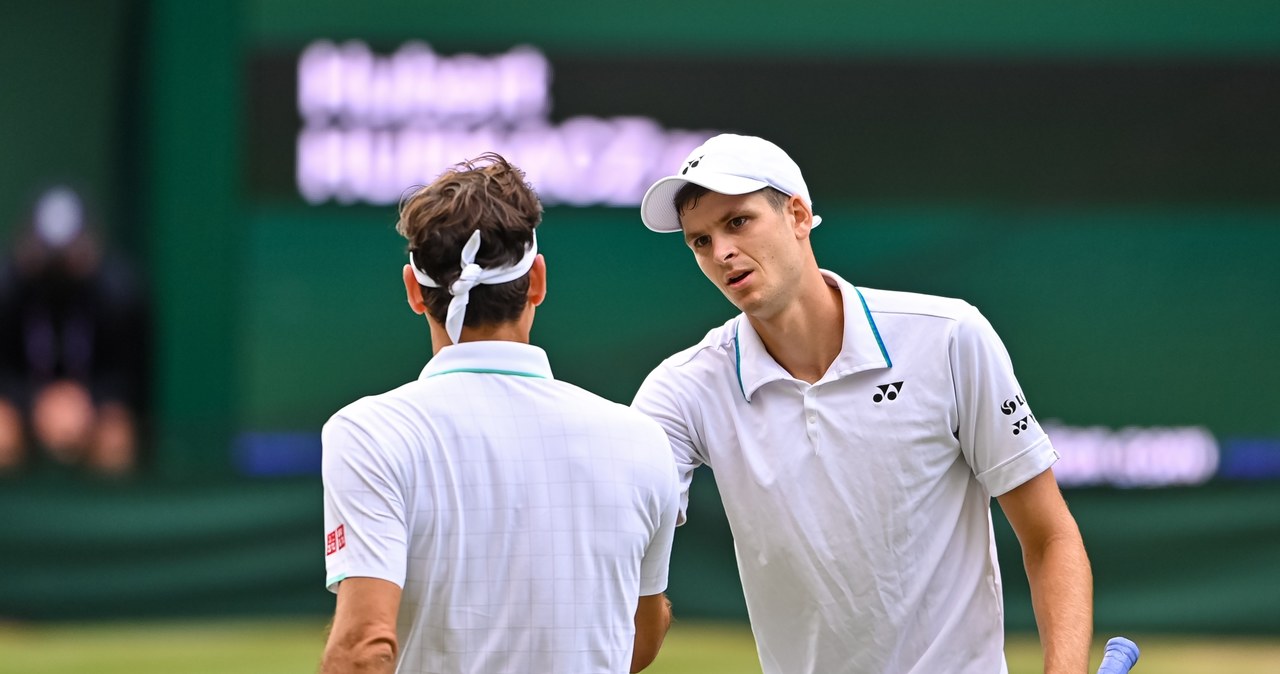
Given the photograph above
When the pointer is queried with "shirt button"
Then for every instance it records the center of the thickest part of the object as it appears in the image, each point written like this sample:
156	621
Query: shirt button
813	420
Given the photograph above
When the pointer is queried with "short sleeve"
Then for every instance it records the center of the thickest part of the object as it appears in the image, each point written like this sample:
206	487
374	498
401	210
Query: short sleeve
999	435
659	399
366	531
657	557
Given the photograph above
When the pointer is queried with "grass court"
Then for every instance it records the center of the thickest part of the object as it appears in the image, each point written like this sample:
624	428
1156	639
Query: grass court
286	646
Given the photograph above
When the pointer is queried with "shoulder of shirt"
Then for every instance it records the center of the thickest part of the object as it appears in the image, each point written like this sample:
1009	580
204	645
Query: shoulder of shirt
359	408
372	406
718	343
891	302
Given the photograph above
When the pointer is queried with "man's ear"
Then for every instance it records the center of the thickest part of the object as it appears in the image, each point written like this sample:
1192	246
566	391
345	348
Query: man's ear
803	217
538	281
413	291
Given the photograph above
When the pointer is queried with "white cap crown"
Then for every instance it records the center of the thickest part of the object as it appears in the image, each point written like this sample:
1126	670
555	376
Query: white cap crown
728	164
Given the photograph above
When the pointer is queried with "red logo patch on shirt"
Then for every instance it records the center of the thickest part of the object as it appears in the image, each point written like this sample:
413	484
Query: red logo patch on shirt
335	540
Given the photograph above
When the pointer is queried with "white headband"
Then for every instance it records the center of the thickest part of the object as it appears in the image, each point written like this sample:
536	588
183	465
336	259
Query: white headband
473	275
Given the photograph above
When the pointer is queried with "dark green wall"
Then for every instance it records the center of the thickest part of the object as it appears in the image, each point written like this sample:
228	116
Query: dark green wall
907	27
61	106
191	67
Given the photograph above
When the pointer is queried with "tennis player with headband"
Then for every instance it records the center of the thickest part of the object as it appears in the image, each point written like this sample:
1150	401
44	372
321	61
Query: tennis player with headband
487	517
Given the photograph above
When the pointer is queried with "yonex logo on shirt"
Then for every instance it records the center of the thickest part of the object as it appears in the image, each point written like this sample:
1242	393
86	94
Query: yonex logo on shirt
1021	424
887	392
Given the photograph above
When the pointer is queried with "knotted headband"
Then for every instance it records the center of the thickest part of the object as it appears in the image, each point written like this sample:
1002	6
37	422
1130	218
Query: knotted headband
473	275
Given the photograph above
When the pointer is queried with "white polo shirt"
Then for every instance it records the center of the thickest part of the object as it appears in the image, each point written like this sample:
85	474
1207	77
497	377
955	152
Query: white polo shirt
860	505
522	516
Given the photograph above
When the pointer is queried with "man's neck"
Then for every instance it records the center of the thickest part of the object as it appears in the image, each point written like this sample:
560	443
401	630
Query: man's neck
513	331
806	337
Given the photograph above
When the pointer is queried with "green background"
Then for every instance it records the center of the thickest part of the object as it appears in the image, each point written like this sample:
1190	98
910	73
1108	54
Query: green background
1099	178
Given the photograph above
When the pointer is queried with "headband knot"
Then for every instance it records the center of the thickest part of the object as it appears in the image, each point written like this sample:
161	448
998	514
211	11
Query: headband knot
467	280
472	275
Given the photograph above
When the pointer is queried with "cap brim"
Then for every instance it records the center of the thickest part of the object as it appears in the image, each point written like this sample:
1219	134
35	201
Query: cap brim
658	210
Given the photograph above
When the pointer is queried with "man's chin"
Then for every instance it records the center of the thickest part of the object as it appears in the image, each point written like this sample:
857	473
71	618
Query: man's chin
747	304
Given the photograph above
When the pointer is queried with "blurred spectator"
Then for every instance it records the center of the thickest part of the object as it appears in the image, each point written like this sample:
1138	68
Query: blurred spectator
73	346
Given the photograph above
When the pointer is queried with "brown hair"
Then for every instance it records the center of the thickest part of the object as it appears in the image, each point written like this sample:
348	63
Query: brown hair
487	193
687	197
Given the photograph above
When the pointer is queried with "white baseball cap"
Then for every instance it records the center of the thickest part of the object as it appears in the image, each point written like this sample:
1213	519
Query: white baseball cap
728	164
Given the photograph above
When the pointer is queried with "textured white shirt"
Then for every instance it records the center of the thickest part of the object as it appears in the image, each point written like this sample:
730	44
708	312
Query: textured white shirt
522	516
860	505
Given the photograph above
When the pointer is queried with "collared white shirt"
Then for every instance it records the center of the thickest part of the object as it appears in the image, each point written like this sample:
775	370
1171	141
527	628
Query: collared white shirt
860	505
522	516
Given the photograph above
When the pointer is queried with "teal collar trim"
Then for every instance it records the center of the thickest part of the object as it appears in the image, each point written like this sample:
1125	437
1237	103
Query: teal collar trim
480	370
515	359
874	330
737	356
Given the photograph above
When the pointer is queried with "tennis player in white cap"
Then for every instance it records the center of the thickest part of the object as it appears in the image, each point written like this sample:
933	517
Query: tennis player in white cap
487	517
857	437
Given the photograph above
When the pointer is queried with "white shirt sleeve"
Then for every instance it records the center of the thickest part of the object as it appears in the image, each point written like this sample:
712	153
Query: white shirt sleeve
655	566
366	530
1000	437
659	399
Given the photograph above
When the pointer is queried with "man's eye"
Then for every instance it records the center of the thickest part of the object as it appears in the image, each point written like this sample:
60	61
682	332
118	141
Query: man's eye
701	241
738	221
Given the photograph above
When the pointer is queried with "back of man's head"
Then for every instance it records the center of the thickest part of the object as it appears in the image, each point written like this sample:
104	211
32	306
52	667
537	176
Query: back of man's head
486	194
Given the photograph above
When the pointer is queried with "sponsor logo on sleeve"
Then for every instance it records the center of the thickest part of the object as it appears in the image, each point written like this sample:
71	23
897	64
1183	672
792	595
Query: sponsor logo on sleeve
335	540
1022	424
1010	406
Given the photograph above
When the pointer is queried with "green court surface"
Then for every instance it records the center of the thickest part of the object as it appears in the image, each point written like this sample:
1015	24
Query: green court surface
286	646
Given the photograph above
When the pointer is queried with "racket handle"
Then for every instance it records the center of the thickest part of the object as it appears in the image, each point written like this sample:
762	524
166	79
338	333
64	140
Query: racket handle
1120	656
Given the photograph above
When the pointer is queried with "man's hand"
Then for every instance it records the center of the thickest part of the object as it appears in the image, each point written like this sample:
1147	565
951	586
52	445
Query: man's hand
114	447
11	445
63	417
653	619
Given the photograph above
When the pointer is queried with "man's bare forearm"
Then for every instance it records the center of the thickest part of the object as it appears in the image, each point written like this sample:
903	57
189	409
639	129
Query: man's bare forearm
1062	595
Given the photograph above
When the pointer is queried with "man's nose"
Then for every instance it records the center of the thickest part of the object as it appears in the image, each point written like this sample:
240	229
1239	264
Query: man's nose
725	250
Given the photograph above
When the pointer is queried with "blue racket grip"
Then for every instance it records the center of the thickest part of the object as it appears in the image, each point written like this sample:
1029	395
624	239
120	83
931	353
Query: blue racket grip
1120	656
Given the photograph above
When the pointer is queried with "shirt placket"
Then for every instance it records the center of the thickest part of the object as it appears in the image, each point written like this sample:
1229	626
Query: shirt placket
812	415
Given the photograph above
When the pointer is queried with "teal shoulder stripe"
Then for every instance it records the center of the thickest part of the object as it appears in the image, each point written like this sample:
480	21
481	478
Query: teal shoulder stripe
874	330
737	357
480	370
